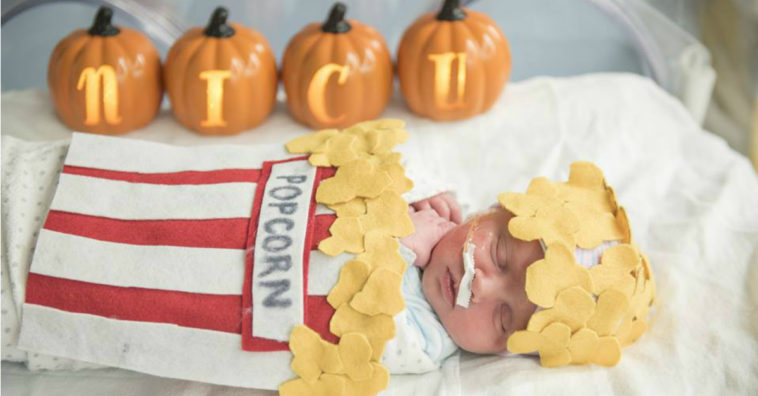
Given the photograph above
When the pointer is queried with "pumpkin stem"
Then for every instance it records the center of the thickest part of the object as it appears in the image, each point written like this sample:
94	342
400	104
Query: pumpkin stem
451	11
217	26
336	22
102	23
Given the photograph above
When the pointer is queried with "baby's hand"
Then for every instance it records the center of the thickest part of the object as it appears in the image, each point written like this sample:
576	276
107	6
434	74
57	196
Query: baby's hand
444	204
429	229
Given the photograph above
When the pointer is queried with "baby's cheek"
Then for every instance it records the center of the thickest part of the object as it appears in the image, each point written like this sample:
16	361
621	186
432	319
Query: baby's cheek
474	331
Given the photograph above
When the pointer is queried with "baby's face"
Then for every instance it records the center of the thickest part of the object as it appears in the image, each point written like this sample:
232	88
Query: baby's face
498	305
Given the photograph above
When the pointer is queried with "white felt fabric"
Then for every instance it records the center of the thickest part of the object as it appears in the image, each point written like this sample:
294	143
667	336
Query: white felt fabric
691	201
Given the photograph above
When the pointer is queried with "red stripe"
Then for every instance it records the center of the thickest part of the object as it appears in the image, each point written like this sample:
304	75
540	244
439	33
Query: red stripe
195	310
321	226
210	233
185	177
201	311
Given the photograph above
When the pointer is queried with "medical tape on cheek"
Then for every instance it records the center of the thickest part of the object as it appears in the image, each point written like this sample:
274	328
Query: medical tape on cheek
464	289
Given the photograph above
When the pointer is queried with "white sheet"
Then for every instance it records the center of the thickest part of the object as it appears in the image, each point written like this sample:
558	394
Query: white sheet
692	201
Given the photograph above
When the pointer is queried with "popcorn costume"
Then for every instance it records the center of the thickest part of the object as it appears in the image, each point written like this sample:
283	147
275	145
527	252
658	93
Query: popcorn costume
159	259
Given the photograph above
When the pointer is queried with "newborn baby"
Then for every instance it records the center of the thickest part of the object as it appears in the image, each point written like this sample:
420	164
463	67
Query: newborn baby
498	305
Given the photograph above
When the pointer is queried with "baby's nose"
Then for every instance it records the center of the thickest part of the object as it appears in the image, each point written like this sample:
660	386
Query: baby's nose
483	287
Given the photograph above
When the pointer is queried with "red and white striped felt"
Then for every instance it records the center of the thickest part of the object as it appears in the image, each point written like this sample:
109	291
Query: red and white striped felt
152	245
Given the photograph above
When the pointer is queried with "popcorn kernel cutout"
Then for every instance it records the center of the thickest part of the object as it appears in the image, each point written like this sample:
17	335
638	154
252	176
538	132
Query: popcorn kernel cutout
346	236
573	307
356	178
551	343
378	382
611	306
388	213
311	143
352	208
587	175
378	329
312	354
586	347
353	276
381	294
355	352
381	250
557	271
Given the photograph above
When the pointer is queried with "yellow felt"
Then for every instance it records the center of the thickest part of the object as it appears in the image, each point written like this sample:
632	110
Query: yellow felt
587	175
623	224
352	208
342	149
554	348
381	294
524	341
353	276
596	227
630	330
387	213
623	256
381	250
523	204
400	184
382	141
573	307
312	354
312	142
606	277
611	307
608	352
355	178
557	271
355	352
378	329
346	236
319	159
326	385
379	380
582	346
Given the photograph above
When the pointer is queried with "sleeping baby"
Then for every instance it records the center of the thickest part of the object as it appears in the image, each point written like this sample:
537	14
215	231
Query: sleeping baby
475	276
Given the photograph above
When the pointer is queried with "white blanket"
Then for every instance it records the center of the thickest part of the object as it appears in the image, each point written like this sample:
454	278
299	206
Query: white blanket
692	201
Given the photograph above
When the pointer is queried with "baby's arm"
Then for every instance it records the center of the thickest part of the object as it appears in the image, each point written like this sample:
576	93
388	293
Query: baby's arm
432	218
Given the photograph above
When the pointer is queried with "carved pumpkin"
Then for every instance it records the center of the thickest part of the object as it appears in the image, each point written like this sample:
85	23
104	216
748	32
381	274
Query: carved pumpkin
106	79
221	79
337	73
452	65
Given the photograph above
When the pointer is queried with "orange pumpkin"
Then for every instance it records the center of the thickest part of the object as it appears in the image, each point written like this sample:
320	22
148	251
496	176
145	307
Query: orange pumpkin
454	64
106	79
337	73
221	79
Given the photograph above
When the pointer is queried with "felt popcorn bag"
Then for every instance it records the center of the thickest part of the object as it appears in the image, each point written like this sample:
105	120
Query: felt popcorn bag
253	266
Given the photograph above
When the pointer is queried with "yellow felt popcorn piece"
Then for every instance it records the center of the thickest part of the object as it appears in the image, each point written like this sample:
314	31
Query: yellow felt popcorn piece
552	223
387	213
594	227
353	276
524	204
614	270
355	352
551	343
344	148
319	159
611	307
378	329
630	330
382	252
346	236
312	354
557	271
355	178
381	294
379	380
311	143
326	385
623	225
586	175
586	347
573	307
352	208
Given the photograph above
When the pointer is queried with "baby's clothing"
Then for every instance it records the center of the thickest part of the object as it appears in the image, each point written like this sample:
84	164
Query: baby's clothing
421	343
